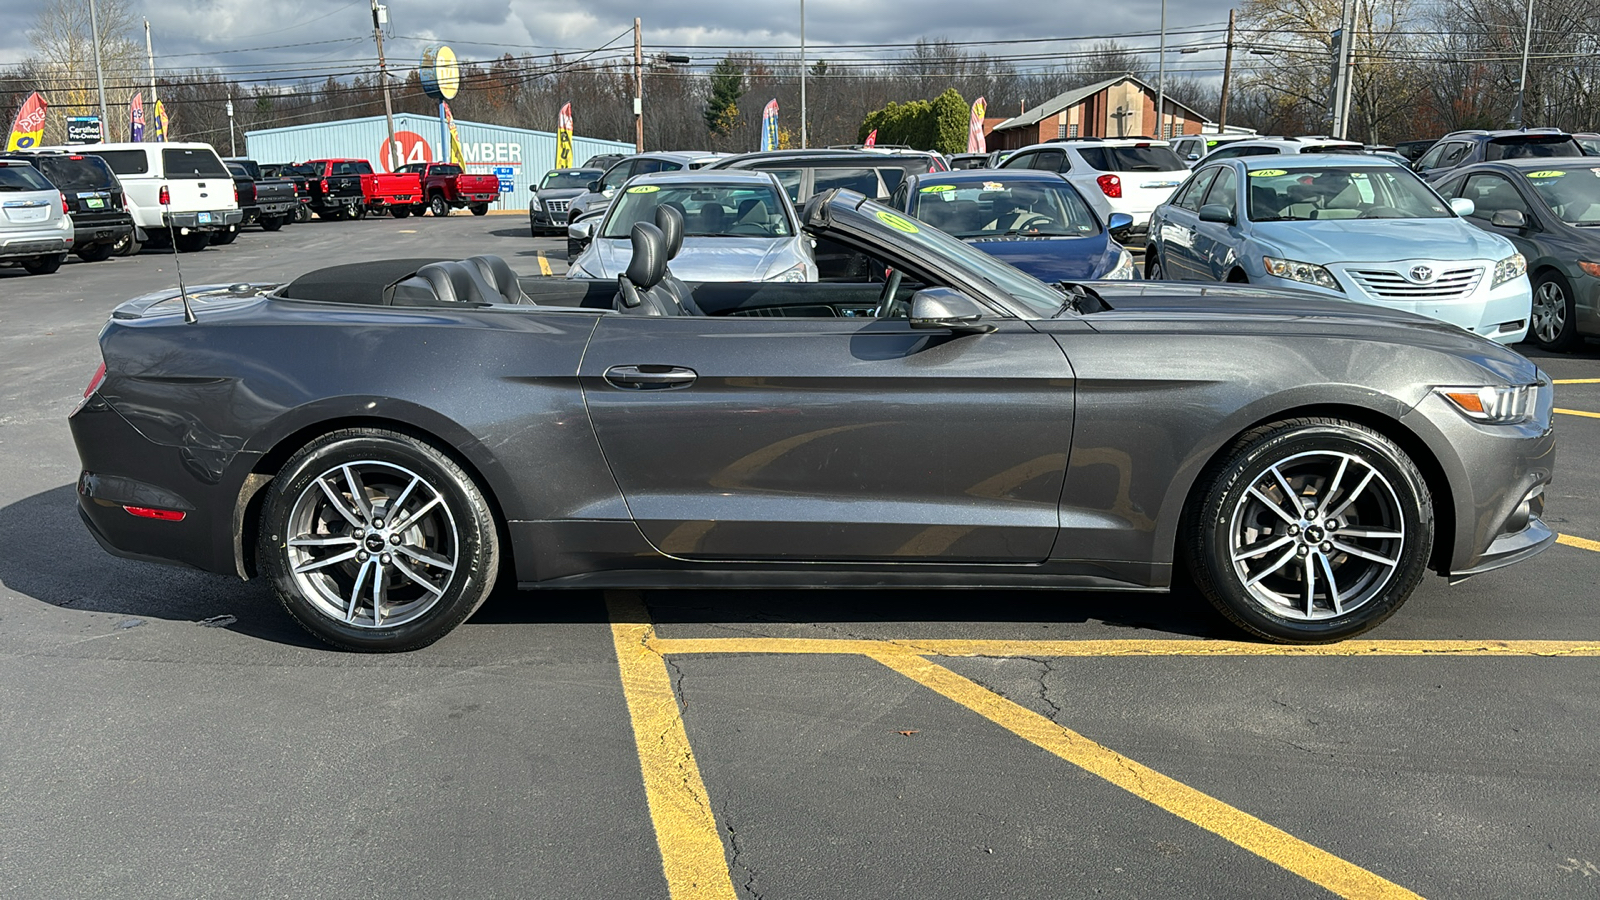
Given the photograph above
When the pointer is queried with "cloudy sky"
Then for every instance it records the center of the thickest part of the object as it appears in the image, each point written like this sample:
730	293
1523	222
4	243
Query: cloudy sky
238	36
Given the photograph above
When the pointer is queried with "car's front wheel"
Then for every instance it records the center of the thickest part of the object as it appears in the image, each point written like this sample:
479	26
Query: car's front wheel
438	206
1310	530
374	540
95	252
1553	327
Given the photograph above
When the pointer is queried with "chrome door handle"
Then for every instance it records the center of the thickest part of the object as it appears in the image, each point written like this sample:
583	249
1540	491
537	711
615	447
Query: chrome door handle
641	378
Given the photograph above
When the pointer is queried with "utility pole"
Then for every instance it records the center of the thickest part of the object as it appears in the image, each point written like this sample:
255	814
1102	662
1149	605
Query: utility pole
1161	78
638	83
233	149
803	74
380	17
1522	82
99	73
1343	38
1227	73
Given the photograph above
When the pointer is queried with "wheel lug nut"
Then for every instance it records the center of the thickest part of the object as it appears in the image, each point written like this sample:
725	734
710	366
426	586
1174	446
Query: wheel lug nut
1294	530
1302	549
377	523
362	556
1327	546
394	539
385	559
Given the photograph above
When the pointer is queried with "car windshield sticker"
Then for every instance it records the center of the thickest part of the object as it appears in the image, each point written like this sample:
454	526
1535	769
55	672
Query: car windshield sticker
1267	173
1546	174
993	186
644	189
896	222
938	188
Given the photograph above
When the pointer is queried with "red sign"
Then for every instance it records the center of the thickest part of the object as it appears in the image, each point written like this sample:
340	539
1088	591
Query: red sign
412	149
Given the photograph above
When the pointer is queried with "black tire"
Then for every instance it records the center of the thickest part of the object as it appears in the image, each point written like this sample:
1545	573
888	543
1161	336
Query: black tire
128	245
303	214
44	265
399	212
438	206
272	223
480	209
223	238
1237	276
358	212
95	252
193	242
573	249
1153	269
1553	325
384	462
1233	503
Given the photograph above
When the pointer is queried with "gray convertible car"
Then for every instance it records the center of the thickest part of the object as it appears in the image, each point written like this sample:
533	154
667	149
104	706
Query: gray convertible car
383	441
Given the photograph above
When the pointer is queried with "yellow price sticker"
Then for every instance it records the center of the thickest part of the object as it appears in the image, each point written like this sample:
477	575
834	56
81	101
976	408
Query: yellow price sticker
644	189
899	223
1546	174
938	188
1267	173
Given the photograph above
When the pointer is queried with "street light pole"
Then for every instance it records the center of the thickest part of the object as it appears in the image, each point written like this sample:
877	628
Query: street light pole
638	84
1161	78
1522	82
99	73
233	149
802	74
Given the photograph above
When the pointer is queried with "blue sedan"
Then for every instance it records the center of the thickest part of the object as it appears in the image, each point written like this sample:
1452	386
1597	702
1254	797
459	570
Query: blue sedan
1034	220
1358	228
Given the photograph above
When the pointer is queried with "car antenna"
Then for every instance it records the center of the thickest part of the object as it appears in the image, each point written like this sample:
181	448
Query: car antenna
172	234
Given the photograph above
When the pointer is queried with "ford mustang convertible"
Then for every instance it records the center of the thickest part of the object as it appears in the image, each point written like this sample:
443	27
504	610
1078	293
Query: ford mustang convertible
384	440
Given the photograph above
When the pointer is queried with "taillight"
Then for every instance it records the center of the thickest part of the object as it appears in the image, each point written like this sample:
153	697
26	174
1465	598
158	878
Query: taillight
94	382
65	210
1110	185
236	193
166	196
324	185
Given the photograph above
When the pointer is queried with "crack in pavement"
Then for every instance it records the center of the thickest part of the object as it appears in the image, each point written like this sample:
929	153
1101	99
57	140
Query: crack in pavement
735	862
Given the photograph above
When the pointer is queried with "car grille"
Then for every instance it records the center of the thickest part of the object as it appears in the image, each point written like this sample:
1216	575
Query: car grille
1451	284
556	206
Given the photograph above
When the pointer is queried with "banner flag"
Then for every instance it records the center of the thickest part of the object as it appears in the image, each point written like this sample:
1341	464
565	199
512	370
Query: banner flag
769	126
27	130
136	118
975	141
564	137
872	139
456	156
160	124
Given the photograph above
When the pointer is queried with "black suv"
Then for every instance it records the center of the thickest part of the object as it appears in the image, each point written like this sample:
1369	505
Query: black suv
101	224
1460	148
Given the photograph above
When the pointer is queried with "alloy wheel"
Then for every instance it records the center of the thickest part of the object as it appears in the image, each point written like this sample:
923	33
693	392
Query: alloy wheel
1549	312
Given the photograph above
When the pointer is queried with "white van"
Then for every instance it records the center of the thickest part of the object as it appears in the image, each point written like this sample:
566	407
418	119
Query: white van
178	193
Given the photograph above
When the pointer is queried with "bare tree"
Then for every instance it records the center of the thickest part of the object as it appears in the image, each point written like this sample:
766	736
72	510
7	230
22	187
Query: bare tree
64	64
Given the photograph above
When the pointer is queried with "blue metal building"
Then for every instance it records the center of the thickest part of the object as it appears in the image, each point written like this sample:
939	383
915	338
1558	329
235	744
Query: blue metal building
518	155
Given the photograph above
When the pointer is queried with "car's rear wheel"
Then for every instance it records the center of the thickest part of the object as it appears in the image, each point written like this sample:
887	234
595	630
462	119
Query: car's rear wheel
1553	326
1153	270
128	245
1310	530
374	540
480	209
223	238
95	252
400	212
44	265
438	206
193	242
303	214
272	223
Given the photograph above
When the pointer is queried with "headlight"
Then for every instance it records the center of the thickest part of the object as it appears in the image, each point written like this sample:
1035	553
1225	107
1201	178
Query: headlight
1498	404
1513	266
795	273
1123	270
534	204
1300	271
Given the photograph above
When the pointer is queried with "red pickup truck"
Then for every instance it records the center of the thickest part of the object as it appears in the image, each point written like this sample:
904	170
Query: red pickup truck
446	187
349	188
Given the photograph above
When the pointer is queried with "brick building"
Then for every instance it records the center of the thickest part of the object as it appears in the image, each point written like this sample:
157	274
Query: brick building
1119	107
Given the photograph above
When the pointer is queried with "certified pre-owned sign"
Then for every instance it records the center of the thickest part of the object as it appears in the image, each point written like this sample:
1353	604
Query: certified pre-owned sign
83	130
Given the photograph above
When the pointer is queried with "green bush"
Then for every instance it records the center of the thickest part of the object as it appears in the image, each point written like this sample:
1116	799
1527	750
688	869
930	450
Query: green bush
939	124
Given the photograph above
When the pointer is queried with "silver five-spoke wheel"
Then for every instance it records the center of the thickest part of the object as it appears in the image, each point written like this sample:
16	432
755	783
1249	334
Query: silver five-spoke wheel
1549	312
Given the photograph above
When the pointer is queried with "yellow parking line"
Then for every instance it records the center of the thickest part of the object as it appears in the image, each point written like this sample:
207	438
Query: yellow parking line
691	845
1272	844
1113	648
544	264
1584	543
1576	381
1578	412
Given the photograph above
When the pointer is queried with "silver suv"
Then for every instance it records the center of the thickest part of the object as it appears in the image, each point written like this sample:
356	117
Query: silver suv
35	230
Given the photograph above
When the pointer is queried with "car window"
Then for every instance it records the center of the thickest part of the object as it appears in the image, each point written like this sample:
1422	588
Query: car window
23	177
892	177
1135	158
126	162
1189	195
77	173
1453	152
1341	191
790	179
1527	146
446	170
1490	194
1572	194
192	162
1004	208
646	166
1047	160
864	181
578	178
709	210
617	174
1224	191
1017	161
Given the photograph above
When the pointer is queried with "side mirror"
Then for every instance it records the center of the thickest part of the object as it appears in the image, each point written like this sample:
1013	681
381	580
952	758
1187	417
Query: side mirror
1509	218
581	230
533	189
1194	157
1216	212
947	308
1118	224
1461	206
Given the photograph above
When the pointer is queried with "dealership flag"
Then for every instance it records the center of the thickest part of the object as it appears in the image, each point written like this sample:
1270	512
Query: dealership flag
159	123
136	118
564	137
456	156
27	130
769	126
975	142
872	139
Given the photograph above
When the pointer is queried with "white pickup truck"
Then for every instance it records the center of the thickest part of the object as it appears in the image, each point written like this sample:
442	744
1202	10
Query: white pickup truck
178	193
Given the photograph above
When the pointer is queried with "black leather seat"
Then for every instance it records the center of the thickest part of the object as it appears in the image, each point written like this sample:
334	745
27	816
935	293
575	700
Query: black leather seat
639	289
445	283
670	220
500	277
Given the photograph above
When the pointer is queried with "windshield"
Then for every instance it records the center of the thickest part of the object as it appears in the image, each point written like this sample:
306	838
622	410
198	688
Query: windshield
1301	194
22	178
934	245
1136	158
1000	209
709	210
1590	145
80	173
579	179
1521	147
1572	194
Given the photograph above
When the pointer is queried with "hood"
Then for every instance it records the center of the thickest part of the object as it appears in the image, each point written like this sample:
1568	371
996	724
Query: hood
701	259
559	193
1051	259
1324	241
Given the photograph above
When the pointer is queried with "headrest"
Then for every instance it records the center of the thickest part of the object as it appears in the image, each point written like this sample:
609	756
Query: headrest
1301	193
669	219
454	282
649	263
500	277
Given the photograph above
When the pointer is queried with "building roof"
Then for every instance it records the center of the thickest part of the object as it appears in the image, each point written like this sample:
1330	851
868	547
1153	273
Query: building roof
1077	95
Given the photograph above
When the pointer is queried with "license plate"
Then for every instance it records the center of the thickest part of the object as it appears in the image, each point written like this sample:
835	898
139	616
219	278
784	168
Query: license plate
94	203
203	219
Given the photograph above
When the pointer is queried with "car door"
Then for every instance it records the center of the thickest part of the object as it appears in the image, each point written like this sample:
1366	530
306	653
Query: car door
1216	243
1176	225
831	438
1491	193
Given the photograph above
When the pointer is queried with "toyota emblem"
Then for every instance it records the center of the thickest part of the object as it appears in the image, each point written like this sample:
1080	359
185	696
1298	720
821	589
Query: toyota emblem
1421	274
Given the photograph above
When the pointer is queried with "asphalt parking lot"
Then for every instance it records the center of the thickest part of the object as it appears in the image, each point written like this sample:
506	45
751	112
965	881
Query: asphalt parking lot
173	734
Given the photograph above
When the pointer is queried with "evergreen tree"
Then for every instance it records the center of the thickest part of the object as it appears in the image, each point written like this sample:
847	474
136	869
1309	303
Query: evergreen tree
727	86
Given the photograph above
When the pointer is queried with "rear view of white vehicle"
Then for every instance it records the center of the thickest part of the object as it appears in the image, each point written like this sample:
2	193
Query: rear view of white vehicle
1125	175
35	230
178	193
